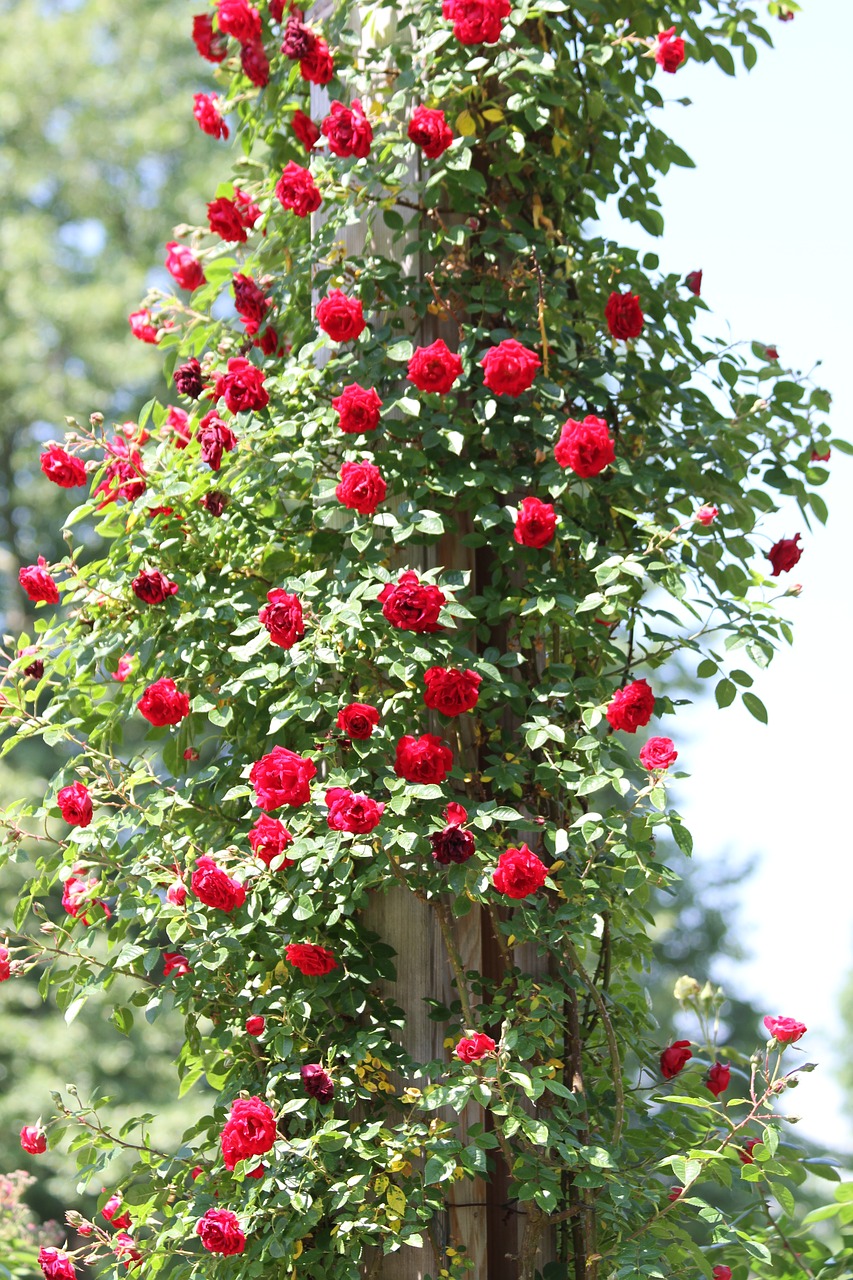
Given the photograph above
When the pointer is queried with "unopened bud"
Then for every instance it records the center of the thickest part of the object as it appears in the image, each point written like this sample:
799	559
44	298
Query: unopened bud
686	988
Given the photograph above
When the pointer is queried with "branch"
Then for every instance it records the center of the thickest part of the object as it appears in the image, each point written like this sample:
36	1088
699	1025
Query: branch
613	1048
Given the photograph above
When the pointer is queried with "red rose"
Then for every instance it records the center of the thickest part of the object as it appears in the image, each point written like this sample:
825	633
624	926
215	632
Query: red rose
348	129
357	409
256	1025
693	281
357	814
142	326
305	129
268	342
585	447
214	887
675	1193
173	962
722	1273
317	1082
519	873
658	753
450	690
452	844
472	1048
239	19
745	1153
340	317
215	438
717	1079
308	958
317	65
423	760
206	112
624	315
188	379
362	487
37	582
669	51
706	515
269	838
63	468
358	720
430	131
34	1139
434	368
178	420
255	63
209	43
242	386
675	1058
785	1030
151	587
56	1265
771	353
510	368
226	220
282	778
177	890
75	805
162	703
535	523
250	301
631	707
125	1249
477	21
282	618
5	965
297	190
815	456
111	1209
124	477
784	554
219	1229
412	605
250	1131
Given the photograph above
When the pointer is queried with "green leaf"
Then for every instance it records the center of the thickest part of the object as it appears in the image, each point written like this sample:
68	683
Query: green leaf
755	706
725	693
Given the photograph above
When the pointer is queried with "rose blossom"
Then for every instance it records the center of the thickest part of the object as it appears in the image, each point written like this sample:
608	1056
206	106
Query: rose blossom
706	515
423	760
434	368
298	39
256	1025
250	301
63	468
472	1048
317	66
239	19
771	353
151	587
215	438
476	21
452	843
249	1131
519	873
340	317
535	523
37	583
693	281
624	315
5	964
745	1153
210	44
75	805
77	896
310	959
658	753
33	1139
174	962
111	1209
214	887
675	1193
585	447
510	369
282	778
348	130
176	893
163	703
815	456
255	63
362	487
357	408
269	838
785	1030
412	605
124	668
784	554
220	1232
717	1079
142	326
178	420
209	118
305	129
188	380
675	1058
450	690
429	130
357	814
317	1082
56	1265
282	617
669	50
632	706
242	386
296	190
358	720
722	1273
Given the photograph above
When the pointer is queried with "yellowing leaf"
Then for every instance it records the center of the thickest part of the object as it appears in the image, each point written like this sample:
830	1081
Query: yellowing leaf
396	1201
466	125
381	1183
494	114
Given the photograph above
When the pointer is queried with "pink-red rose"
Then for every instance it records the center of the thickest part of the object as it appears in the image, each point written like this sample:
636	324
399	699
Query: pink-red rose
412	605
63	468
362	487
718	1078
297	190
348	130
358	720
282	778
519	873
624	315
340	317
110	1211
269	838
249	1131
242	386
429	130
210	121
357	814
535	523
675	1058
174	962
214	887
309	958
220	1232
142	326
669	51
37	583
177	893
477	21
210	44
282	617
784	554
34	1139
151	587
706	515
785	1030
722	1273
658	753
434	368
451	690
56	1265
78	896
163	703
75	805
5	964
424	760
631	707
357	408
585	447
472	1048
510	368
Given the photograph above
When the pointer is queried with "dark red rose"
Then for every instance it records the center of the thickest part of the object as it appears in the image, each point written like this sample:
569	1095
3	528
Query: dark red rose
362	487
452	844
658	753
75	805
477	21
745	1153
412	605
269	838
215	438
310	959
63	468
188	379
717	1079
143	327
214	887
242	386
214	501
358	720
210	44
268	343
249	1131
255	63
585	447
348	129
473	1048
282	617
220	1232
256	1025
305	129
37	583
225	220
519	873
669	51
357	814
33	1139
151	587
239	19
210	121
784	554
357	408
632	706
35	670
675	1193
675	1058
423	760
297	190
815	456
282	778
340	317
317	1082
429	130
510	369
56	1265
785	1030
451	690
693	281
535	523
434	368
317	66
250	301
771	353
298	39
624	315
163	703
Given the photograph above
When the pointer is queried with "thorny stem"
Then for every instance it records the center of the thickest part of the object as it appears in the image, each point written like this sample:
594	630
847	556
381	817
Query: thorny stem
774	1226
613	1048
446	925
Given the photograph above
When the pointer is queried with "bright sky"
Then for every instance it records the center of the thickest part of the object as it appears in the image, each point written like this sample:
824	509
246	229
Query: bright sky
766	215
